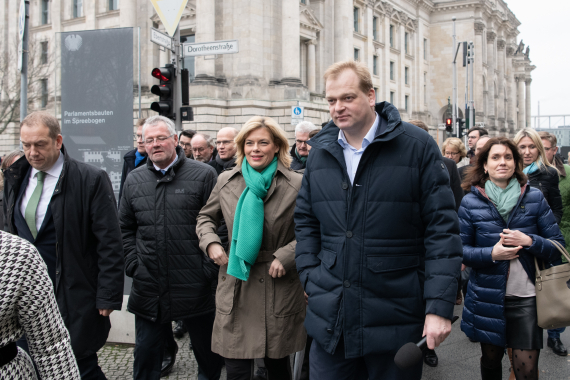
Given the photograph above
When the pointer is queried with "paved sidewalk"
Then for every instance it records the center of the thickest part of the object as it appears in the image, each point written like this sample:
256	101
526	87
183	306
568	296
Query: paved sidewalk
458	359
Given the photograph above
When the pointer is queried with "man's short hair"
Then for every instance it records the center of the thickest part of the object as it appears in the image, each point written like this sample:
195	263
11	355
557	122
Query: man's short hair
359	68
155	120
419	123
550	137
141	121
43	118
206	137
187	133
314	132
305	127
482	131
7	160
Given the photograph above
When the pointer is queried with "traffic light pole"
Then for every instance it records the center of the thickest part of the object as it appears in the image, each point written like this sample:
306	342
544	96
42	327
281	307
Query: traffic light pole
471	101
176	60
454	102
24	72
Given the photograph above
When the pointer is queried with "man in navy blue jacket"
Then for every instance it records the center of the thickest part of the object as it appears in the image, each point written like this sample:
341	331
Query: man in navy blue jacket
378	247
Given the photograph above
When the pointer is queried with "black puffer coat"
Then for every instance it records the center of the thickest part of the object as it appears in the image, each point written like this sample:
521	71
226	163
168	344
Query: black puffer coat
296	164
546	180
158	221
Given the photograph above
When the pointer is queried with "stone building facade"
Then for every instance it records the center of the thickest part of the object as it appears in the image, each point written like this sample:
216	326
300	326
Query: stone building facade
286	46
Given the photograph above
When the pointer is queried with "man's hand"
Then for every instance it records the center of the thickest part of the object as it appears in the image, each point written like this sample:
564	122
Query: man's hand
276	269
105	312
217	253
436	329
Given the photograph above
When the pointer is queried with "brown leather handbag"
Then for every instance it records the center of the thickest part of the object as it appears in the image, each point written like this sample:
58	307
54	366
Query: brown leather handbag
553	293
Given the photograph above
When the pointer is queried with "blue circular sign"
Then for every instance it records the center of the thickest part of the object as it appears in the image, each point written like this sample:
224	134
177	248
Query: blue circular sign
297	111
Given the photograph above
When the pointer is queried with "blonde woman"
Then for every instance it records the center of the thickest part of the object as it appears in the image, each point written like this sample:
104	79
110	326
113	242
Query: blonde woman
541	174
260	304
454	149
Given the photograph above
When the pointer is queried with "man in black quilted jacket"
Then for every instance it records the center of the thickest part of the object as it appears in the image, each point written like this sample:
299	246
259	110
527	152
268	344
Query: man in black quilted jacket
171	277
378	248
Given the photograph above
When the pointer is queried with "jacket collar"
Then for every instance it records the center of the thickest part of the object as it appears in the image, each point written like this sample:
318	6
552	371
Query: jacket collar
181	158
286	172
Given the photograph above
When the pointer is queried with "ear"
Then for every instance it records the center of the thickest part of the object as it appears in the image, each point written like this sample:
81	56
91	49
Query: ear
59	141
175	139
372	97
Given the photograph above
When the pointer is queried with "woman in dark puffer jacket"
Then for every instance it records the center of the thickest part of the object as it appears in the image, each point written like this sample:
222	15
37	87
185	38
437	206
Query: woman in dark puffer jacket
504	224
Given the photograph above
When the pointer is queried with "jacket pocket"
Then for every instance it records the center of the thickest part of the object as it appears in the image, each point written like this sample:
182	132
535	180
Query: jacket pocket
288	297
327	257
225	292
382	264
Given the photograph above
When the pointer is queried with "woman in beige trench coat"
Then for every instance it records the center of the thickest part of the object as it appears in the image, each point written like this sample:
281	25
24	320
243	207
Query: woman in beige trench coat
263	316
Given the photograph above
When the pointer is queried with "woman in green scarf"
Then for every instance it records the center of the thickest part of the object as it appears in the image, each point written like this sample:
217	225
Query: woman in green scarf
260	305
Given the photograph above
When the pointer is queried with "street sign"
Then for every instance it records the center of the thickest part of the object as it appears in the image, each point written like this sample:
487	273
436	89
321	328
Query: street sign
210	48
170	12
21	30
161	39
297	114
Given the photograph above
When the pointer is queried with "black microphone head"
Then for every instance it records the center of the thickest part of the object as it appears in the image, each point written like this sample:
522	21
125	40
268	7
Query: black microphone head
407	356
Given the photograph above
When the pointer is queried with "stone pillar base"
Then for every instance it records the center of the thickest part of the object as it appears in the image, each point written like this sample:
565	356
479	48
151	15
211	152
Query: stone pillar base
291	82
201	78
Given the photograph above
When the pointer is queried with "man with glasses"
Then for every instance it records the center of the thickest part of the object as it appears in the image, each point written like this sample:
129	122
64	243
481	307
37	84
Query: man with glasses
473	135
300	152
203	148
227	149
172	278
185	139
133	158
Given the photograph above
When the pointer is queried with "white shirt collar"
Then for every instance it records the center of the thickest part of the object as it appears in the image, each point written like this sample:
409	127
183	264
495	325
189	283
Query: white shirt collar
367	139
168	167
56	168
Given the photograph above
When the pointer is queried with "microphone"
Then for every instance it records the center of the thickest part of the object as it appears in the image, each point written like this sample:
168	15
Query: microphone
411	353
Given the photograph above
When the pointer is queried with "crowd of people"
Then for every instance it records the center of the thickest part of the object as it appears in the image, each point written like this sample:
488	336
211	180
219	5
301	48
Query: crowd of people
361	237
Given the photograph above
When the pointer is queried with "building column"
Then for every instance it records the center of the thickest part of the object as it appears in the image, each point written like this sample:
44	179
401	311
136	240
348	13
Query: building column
491	64
386	59
290	52
500	88
205	32
478	94
521	102
527	103
343	30
311	65
511	90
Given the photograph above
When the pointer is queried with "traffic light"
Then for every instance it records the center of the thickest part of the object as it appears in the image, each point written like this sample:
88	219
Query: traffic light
165	105
460	125
449	125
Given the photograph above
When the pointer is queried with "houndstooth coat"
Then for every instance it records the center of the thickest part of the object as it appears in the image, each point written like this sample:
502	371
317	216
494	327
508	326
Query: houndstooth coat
27	305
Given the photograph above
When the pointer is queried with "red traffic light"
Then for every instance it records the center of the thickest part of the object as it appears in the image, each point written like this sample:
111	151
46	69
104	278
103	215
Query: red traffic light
448	122
162	73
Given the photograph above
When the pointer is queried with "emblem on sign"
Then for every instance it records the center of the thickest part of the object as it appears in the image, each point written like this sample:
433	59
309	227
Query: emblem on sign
73	42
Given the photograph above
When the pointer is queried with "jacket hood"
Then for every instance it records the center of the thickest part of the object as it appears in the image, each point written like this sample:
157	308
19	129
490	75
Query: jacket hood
386	131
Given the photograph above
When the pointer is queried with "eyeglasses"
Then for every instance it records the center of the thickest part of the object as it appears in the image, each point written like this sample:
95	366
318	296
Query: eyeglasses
159	139
301	142
185	145
224	142
451	153
137	137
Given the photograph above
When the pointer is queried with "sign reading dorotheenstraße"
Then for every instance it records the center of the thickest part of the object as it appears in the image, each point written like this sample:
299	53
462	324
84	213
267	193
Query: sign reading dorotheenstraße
161	39
210	48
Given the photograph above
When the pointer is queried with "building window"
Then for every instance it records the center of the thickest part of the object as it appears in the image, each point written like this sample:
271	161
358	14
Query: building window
355	14
44	89
391	70
77	8
113	5
376	94
392	36
356	55
425	88
45	12
406	37
375	65
392	96
304	2
44	52
406	70
425	48
406	102
189	62
375	28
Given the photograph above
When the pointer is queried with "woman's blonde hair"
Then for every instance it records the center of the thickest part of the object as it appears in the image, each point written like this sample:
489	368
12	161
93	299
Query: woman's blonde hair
541	160
456	143
276	133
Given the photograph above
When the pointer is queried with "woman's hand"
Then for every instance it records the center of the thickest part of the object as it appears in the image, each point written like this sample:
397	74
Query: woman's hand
503	253
515	237
276	269
217	253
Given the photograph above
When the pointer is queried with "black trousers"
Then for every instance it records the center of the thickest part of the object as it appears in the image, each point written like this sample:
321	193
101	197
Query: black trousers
242	369
150	343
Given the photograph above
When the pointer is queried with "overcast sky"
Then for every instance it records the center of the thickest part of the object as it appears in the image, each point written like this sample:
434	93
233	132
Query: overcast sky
544	28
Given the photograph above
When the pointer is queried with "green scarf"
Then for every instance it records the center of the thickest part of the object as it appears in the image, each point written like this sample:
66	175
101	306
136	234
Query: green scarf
504	199
248	219
303	159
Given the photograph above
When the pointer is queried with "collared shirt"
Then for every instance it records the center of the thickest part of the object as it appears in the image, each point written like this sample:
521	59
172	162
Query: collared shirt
163	171
50	180
352	155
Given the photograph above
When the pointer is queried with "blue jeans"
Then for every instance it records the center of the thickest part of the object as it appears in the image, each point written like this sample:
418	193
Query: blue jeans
555	333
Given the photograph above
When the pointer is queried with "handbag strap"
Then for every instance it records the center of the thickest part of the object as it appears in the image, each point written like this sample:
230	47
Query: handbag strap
560	248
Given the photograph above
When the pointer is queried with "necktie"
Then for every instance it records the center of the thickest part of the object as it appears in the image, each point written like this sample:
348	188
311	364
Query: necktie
31	208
